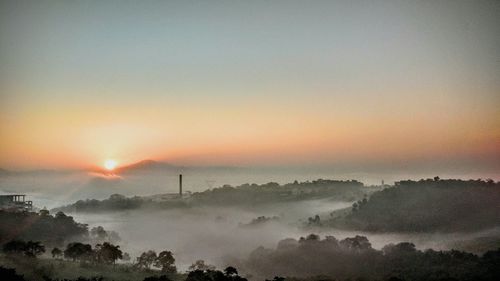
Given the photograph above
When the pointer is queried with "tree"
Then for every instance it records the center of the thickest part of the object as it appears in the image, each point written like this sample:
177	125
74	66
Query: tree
229	274
78	251
315	221
310	237
34	248
146	259
56	253
166	261
14	247
277	278
200	265
199	275
399	249
126	257
230	271
154	278
98	233
44	212
10	274
61	215
357	243
108	253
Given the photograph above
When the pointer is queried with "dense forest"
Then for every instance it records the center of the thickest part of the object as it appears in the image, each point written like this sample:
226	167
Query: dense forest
353	258
52	230
250	194
118	202
426	205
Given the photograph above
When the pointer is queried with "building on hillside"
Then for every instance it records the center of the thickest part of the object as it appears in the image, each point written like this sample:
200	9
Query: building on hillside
15	202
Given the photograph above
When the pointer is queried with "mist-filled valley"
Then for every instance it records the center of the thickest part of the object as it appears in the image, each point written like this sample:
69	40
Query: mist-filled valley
219	235
255	225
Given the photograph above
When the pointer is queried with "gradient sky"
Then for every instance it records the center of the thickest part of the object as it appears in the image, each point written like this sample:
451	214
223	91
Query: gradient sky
353	83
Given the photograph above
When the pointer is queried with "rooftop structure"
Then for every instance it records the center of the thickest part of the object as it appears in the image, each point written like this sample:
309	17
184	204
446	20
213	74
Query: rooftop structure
15	202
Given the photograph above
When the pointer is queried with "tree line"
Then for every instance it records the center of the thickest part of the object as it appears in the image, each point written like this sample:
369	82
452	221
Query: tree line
353	258
307	258
245	194
426	206
52	230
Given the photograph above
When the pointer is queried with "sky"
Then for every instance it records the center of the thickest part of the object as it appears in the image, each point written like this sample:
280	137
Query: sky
354	84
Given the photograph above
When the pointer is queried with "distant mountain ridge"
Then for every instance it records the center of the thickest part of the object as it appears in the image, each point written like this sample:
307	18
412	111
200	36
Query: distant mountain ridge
147	165
154	166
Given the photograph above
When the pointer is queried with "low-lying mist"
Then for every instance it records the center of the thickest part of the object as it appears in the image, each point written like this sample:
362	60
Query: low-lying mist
220	235
209	233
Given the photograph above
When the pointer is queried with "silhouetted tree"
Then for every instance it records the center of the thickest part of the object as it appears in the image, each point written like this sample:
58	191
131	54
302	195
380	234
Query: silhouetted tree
165	261
34	248
30	248
277	278
229	274
9	274
56	253
14	247
78	251
315	221
49	230
399	249
160	278
60	215
108	253
98	233
230	271
358	243
201	265
489	263
146	259
355	207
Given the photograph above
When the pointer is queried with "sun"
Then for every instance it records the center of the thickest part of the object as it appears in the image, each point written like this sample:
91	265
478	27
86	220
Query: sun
110	164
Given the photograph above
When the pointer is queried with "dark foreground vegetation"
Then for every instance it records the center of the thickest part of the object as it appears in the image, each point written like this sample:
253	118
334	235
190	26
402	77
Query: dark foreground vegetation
52	230
309	258
33	261
354	259
81	262
243	195
427	206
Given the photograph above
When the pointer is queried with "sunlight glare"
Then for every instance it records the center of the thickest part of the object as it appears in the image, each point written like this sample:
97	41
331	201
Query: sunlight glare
110	164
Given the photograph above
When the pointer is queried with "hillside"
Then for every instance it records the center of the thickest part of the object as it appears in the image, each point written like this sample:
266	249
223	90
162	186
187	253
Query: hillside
243	195
427	205
51	230
353	258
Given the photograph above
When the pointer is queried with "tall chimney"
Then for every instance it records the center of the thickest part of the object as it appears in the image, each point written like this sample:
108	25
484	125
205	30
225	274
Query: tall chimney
180	185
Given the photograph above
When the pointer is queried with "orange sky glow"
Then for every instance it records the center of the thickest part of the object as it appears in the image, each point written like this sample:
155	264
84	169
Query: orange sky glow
326	84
